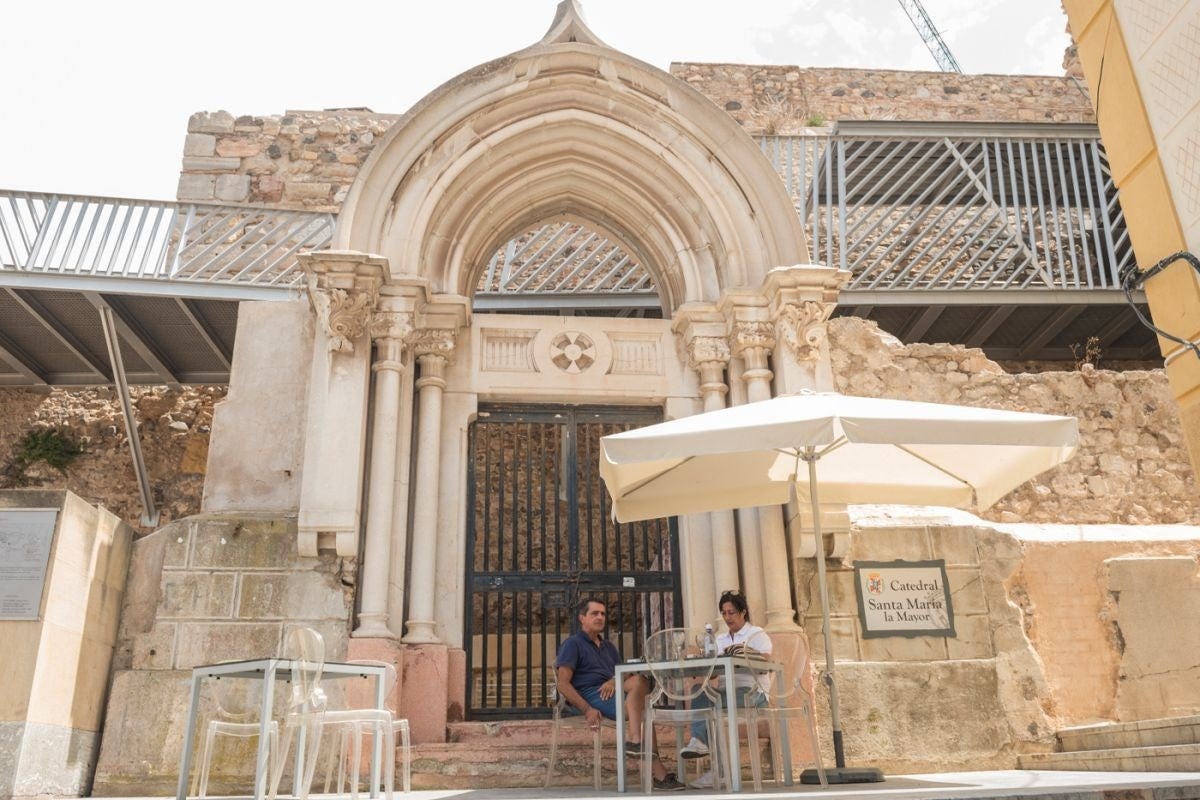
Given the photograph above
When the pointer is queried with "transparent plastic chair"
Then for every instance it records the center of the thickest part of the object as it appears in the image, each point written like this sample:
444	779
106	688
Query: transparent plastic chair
667	654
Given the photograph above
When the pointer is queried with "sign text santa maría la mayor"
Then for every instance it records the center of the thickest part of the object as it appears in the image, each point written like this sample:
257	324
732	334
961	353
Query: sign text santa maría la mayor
903	598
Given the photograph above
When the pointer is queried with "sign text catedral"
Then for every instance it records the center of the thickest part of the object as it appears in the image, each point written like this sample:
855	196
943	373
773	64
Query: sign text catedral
903	598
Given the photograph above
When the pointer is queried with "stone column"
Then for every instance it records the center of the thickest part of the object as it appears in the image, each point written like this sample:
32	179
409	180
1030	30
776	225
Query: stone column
749	537
433	348
753	338
343	287
391	325
709	356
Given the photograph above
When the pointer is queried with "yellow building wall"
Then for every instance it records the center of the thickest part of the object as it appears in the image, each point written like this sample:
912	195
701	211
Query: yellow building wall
1141	60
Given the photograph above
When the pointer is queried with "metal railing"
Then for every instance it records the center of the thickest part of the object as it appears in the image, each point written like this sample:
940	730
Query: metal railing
959	209
57	234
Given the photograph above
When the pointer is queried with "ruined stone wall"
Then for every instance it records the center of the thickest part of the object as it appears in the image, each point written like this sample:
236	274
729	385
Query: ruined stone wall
308	159
174	434
1132	466
780	99
303	159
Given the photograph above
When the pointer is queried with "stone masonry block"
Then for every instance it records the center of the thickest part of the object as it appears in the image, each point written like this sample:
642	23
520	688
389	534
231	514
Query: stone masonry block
292	595
211	164
210	122
844	633
966	591
197	594
233	188
178	543
955	545
210	642
889	544
307	191
904	648
973	638
156	649
199	144
196	187
248	544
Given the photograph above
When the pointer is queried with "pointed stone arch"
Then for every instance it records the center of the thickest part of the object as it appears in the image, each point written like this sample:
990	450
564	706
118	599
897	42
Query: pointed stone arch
572	128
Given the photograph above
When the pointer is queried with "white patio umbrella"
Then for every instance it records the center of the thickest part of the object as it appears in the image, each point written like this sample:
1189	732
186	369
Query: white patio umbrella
870	451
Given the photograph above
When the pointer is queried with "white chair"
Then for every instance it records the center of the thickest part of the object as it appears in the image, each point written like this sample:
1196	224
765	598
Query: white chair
562	717
667	653
306	649
237	718
787	698
354	723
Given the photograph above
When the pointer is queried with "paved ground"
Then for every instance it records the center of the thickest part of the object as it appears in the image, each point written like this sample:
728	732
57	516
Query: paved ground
1008	785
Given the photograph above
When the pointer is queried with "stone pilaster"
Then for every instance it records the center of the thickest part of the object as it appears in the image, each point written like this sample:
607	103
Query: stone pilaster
343	287
799	302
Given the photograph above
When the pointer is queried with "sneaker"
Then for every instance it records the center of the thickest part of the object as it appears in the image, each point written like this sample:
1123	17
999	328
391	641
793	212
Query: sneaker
633	749
694	749
705	781
669	784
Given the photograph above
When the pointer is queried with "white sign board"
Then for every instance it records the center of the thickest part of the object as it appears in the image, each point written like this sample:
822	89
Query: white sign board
903	598
25	538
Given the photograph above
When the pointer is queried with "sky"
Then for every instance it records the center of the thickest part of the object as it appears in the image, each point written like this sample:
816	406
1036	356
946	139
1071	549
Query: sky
97	95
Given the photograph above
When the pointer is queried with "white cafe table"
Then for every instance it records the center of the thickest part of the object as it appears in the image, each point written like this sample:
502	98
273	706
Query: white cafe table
727	666
268	670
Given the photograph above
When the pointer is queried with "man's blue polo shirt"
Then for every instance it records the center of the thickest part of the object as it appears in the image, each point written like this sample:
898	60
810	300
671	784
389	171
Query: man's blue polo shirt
592	665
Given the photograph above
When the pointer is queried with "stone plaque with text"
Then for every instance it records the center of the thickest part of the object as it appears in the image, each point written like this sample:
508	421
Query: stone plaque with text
903	598
25	538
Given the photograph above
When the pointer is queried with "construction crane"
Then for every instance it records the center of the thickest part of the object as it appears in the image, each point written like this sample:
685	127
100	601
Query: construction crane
933	40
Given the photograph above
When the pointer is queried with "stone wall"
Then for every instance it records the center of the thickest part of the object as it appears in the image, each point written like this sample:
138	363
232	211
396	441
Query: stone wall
174	429
784	100
308	159
303	159
1132	466
207	589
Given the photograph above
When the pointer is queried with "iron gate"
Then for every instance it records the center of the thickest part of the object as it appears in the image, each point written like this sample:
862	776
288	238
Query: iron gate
541	536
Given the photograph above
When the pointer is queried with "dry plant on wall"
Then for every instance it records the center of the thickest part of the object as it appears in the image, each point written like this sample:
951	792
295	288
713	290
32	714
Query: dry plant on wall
770	114
1087	356
48	446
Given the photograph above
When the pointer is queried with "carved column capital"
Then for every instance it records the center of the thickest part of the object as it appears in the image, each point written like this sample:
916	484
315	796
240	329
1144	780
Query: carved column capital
390	330
801	327
752	335
434	342
708	350
343	287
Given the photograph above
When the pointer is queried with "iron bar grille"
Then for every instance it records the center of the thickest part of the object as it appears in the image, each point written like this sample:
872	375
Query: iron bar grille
541	536
144	239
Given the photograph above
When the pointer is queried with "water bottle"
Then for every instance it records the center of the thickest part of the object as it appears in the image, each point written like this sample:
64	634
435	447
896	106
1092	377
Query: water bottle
710	640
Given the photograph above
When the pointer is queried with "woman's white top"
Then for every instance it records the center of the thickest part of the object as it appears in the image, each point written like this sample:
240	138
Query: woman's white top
751	636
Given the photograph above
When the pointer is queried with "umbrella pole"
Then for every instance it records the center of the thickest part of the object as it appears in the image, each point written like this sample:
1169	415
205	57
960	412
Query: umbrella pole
839	753
841	773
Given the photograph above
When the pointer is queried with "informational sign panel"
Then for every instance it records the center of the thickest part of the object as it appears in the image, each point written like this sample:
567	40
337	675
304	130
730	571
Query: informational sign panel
25	538
903	598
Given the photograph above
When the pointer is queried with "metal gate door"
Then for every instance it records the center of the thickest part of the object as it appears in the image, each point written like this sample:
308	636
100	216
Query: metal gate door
540	537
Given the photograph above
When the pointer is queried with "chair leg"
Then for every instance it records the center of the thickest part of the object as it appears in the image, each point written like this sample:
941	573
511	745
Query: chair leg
407	747
289	731
755	757
596	759
553	750
647	747
312	747
816	747
200	782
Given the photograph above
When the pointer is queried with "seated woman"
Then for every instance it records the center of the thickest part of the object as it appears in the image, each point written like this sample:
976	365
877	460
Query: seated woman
741	637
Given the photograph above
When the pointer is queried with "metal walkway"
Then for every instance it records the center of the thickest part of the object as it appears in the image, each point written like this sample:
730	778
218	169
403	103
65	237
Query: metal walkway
1006	237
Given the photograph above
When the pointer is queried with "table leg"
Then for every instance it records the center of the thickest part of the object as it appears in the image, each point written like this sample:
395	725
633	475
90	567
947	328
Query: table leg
734	767
377	739
185	758
786	750
263	762
619	680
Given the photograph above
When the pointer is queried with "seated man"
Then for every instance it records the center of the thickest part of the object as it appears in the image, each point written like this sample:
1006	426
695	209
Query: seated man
586	673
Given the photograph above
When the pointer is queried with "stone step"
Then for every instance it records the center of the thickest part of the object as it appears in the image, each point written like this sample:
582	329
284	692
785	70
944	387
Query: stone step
457	765
1143	733
1163	758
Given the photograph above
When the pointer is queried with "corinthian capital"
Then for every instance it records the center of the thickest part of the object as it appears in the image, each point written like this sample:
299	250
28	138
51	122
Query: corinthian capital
752	335
396	325
343	314
343	288
708	350
434	342
801	327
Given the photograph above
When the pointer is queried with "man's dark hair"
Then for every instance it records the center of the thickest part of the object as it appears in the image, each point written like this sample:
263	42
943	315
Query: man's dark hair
584	602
